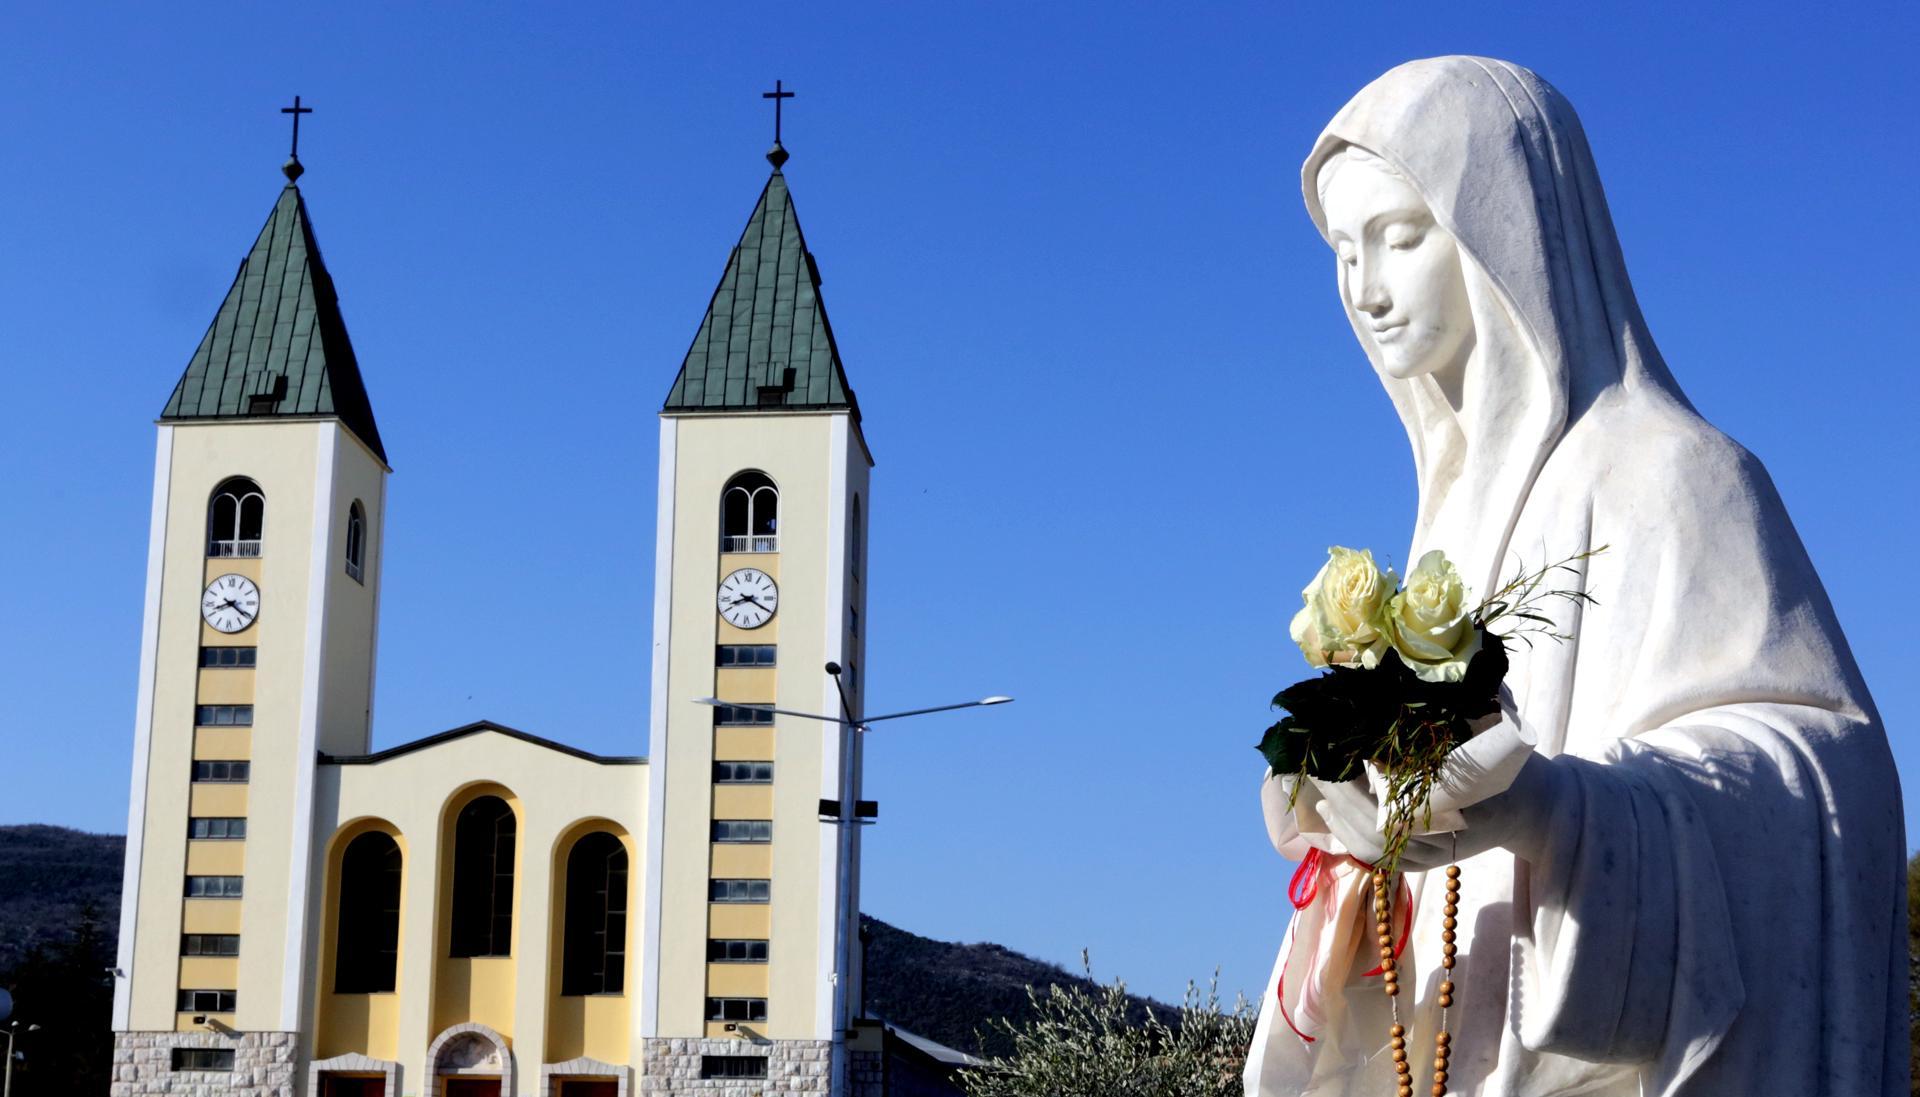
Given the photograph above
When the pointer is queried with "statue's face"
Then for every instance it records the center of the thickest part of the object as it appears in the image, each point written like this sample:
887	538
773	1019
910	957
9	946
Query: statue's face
1399	271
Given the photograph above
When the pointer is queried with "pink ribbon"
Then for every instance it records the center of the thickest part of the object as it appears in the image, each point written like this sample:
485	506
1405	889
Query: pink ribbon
1304	888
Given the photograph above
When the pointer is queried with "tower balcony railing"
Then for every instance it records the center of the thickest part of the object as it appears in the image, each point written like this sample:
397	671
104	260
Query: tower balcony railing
234	548
757	542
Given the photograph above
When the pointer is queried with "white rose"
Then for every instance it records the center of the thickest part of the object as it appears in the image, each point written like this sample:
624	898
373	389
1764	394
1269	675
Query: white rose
1345	606
1428	624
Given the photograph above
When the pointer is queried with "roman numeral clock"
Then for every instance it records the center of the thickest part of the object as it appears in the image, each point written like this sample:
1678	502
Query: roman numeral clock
748	598
231	603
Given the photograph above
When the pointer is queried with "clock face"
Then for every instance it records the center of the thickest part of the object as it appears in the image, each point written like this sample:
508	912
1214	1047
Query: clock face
748	598
231	603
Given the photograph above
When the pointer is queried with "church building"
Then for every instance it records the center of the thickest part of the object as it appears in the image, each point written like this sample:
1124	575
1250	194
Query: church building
484	911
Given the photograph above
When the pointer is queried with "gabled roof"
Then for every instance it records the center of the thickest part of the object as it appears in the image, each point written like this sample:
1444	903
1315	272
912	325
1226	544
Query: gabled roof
765	342
278	347
475	728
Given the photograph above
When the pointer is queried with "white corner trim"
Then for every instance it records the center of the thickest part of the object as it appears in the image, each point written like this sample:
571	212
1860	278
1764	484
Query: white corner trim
376	558
663	535
143	728
834	978
299	857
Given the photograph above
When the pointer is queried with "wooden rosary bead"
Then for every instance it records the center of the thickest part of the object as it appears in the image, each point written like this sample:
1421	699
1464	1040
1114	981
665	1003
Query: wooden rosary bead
1399	1042
1440	1064
1439	1077
1403	1069
1448	950
1446	1000
1446	961
1453	872
1397	1031
1443	1039
1399	1055
1446	935
1446	987
1439	1089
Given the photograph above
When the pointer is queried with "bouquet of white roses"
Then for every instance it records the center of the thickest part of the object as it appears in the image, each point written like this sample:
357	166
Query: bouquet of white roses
1411	670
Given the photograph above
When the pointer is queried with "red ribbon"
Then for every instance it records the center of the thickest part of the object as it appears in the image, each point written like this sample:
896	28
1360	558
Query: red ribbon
1301	892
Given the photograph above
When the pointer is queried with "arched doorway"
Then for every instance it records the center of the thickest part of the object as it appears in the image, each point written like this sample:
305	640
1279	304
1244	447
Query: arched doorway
470	1061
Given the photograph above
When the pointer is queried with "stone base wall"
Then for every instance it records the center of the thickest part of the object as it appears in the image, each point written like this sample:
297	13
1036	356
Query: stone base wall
263	1065
795	1068
866	1074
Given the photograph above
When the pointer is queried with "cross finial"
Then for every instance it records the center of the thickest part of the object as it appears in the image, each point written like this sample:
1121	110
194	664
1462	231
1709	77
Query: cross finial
776	155
292	167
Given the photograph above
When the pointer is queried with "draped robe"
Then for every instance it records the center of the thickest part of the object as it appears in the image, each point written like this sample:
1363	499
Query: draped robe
1719	906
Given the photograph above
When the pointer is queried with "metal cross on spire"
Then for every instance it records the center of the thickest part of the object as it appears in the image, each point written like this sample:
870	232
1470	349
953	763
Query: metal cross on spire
292	167
776	155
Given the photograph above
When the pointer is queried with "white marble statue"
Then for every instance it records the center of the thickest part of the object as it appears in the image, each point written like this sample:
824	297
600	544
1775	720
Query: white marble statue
1693	886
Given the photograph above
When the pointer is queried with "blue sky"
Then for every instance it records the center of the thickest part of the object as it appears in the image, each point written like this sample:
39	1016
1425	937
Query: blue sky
1095	336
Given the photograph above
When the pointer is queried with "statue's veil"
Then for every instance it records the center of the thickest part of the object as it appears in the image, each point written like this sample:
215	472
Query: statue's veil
1502	161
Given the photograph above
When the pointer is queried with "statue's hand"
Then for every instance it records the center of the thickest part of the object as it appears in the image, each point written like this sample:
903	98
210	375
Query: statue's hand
1514	820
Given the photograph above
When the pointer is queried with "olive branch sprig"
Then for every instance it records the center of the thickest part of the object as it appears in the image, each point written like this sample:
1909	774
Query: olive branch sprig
1523	600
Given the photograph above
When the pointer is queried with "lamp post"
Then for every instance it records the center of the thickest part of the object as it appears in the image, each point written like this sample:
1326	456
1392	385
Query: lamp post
13	1030
847	817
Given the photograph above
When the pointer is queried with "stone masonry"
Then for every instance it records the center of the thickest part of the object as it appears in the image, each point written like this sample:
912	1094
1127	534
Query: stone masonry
866	1074
263	1065
795	1068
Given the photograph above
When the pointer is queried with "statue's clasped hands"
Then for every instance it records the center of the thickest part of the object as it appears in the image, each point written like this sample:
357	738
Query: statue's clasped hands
1494	792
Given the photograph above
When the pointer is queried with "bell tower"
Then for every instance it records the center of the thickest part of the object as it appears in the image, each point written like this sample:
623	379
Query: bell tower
751	897
256	654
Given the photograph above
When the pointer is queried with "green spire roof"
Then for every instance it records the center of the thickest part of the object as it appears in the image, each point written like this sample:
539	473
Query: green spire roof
278	347
765	342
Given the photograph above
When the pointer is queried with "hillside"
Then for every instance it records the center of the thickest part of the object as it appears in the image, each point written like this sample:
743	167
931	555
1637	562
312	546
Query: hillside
946	991
48	875
938	989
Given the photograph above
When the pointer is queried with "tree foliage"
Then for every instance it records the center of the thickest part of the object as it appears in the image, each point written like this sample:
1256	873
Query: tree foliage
1085	1041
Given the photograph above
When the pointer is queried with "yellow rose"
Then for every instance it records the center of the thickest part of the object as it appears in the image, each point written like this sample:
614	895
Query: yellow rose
1427	623
1345	603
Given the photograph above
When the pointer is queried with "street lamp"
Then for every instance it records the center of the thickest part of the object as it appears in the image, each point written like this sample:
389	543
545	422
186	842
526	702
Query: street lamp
13	1030
861	815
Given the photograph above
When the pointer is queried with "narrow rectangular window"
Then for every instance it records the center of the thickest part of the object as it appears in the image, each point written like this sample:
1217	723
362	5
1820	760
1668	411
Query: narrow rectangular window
210	944
221	771
746	655
742	773
733	1066
736	951
216	826
227	657
853	621
223	716
743	830
214	887
736	1009
741	716
203	1058
206	1001
739	891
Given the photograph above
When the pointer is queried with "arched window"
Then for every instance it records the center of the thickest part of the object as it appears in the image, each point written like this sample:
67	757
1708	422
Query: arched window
235	518
367	944
750	514
853	538
483	837
356	539
595	952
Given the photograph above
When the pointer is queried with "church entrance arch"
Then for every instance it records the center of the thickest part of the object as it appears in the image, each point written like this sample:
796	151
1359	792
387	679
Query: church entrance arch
470	1060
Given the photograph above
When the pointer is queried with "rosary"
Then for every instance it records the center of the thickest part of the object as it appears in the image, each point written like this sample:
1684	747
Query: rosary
1443	1040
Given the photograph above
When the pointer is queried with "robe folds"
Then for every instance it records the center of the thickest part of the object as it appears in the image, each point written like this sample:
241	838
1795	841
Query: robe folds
1719	907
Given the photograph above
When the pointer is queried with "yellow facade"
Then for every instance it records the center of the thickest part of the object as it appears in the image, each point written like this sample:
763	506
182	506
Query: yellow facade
378	921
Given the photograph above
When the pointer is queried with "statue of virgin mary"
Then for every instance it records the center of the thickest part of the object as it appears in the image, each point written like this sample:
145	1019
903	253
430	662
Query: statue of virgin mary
1686	879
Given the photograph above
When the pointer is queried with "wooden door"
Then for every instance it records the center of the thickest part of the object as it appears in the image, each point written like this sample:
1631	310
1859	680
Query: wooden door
338	1085
470	1087
589	1087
